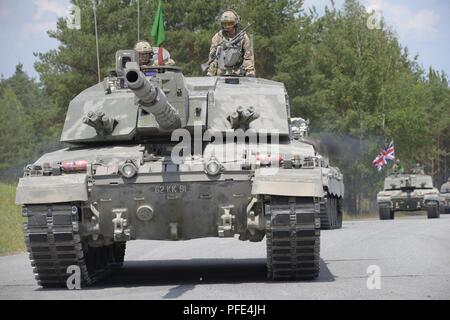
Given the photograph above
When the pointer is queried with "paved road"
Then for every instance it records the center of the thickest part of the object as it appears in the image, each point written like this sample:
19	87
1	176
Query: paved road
413	255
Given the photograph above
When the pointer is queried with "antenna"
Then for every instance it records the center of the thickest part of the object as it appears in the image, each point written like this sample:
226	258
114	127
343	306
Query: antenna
139	20
94	2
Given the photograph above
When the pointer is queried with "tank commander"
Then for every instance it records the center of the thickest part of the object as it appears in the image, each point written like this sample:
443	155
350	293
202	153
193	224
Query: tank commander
148	56
145	51
419	169
397	168
230	21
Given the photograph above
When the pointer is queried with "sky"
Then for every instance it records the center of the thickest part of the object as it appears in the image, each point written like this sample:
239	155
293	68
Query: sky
23	30
421	25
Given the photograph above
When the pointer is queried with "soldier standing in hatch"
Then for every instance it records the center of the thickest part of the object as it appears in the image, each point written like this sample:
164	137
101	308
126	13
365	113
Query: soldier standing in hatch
230	23
148	55
397	168
145	51
419	169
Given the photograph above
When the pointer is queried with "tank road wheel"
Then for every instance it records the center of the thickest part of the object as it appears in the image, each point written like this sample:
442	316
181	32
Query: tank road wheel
443	209
293	238
433	210
385	212
54	243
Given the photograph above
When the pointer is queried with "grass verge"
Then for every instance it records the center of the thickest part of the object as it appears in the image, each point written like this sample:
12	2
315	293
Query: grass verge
11	221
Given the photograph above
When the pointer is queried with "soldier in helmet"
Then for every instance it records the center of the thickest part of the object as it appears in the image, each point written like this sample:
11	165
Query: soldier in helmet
230	23
397	168
419	169
145	51
148	56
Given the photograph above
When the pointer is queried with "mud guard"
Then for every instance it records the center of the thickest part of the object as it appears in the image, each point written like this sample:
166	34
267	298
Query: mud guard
52	189
288	183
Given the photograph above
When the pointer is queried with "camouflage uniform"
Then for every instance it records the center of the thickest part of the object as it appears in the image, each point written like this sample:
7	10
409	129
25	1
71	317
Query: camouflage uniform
419	169
151	58
397	168
248	64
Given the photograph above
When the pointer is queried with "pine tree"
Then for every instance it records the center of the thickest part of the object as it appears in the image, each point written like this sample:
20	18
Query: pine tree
15	130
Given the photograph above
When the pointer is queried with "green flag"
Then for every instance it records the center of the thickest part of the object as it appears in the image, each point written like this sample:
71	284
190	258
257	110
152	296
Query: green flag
158	33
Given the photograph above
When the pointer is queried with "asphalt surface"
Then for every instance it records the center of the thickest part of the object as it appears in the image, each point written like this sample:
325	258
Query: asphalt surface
413	256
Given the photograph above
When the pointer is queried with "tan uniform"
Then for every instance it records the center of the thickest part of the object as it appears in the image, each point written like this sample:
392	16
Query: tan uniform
397	168
248	63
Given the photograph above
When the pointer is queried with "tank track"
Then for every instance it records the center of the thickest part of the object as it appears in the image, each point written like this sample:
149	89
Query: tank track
54	243
293	238
433	211
330	213
444	209
385	212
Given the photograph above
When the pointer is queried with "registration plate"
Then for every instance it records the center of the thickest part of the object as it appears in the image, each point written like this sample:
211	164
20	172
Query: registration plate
170	188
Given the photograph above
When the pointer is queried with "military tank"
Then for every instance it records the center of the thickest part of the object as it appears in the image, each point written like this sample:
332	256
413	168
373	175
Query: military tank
331	206
154	155
445	198
408	192
300	128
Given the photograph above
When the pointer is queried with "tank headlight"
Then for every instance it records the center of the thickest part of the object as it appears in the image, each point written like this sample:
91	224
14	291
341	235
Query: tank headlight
213	168
128	170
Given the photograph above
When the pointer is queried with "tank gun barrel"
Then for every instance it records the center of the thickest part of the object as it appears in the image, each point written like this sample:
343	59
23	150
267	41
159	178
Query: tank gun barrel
152	99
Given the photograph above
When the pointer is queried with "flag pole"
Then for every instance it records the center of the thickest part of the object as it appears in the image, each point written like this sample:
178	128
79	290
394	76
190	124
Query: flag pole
94	2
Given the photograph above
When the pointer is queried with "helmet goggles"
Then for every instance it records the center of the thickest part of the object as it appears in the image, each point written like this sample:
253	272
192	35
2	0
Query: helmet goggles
228	24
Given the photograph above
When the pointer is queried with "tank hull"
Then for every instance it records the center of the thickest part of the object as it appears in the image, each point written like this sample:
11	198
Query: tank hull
192	206
102	209
445	203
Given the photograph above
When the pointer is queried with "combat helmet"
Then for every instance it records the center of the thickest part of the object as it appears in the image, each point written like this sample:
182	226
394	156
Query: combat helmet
145	51
143	47
229	19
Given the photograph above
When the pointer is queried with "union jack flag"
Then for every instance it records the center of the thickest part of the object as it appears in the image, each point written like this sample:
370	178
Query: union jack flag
387	154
